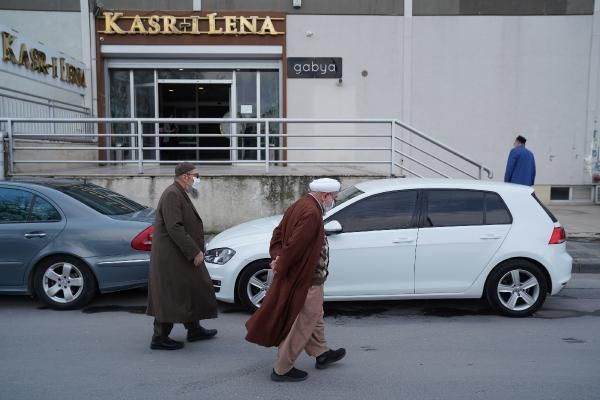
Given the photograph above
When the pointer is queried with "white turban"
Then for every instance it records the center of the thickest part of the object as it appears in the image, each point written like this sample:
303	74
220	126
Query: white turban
325	185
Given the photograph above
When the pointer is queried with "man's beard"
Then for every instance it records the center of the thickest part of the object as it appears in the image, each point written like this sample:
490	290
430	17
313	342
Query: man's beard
192	192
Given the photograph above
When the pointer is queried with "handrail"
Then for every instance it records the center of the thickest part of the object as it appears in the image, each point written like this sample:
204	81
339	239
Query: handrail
449	149
135	144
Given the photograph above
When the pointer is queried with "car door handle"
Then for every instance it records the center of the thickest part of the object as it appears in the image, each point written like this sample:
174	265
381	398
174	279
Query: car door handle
403	240
35	235
490	237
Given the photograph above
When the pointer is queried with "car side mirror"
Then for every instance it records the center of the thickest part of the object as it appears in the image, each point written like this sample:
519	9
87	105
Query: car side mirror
333	228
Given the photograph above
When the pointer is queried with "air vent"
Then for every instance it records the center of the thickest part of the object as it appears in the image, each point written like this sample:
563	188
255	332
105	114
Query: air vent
560	193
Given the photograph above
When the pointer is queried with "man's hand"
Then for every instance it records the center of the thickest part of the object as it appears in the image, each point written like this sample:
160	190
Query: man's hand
199	259
274	264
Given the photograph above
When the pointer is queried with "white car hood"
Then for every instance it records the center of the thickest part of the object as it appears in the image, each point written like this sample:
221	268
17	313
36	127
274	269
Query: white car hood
247	233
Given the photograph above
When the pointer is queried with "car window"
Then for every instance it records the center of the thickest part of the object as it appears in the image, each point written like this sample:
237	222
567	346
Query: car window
384	211
346	195
102	200
454	208
496	212
42	211
14	205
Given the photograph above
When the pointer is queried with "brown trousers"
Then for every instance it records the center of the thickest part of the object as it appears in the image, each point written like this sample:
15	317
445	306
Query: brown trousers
307	333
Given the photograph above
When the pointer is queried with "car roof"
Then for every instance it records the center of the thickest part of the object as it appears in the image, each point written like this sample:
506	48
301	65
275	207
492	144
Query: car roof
380	185
46	182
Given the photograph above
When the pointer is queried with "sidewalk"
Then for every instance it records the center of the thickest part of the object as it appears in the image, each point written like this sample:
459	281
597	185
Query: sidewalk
582	224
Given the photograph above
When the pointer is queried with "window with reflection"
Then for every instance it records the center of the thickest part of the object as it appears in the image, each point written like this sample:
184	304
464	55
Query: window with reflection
384	211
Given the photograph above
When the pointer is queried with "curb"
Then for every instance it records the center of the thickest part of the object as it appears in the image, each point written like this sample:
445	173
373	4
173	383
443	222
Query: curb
586	268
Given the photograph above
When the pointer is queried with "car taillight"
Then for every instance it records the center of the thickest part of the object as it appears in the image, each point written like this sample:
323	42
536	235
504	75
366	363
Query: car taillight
558	236
143	241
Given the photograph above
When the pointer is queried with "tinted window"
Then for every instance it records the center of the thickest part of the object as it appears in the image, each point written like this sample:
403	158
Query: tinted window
454	208
347	194
43	211
496	212
102	200
14	205
392	210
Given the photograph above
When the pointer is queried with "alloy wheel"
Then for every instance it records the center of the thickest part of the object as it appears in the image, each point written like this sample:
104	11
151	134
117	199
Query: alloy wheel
63	282
258	285
518	290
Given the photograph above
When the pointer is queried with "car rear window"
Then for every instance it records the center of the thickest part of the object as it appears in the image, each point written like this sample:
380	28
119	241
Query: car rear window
552	217
102	200
496	212
454	208
459	207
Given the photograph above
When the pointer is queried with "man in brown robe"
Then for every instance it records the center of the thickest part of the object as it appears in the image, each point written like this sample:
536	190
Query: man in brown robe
291	315
179	287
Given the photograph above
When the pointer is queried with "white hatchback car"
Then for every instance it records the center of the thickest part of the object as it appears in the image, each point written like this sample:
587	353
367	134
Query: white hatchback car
416	239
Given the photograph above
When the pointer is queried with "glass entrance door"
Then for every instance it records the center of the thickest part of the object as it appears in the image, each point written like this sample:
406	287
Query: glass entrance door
161	92
193	100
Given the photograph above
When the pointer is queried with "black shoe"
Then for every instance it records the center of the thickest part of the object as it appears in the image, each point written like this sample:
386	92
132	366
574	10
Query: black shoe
293	375
200	334
329	357
165	344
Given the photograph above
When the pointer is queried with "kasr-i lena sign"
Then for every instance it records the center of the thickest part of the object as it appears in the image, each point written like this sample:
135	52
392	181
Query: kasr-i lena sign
36	61
211	24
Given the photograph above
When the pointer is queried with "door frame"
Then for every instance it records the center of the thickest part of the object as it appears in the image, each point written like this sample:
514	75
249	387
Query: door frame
232	106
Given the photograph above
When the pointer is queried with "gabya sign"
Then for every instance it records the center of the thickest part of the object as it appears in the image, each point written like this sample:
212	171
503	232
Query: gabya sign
116	23
319	67
36	61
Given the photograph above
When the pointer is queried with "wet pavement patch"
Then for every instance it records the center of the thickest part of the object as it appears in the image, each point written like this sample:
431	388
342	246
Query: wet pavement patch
445	312
383	309
114	308
367	348
572	340
550	313
354	311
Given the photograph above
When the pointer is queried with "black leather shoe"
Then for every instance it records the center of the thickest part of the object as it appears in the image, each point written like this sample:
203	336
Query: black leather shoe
329	357
200	334
293	375
165	344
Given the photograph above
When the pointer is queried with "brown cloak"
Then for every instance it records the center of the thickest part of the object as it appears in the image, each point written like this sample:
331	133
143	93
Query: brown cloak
297	241
178	291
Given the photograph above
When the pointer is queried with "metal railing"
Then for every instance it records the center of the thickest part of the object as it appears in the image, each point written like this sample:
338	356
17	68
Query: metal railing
15	103
391	146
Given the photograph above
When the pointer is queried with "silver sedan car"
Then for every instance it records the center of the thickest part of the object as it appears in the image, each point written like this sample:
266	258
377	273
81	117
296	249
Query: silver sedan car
65	241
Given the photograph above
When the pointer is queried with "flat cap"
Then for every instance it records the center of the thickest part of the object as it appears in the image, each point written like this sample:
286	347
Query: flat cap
182	168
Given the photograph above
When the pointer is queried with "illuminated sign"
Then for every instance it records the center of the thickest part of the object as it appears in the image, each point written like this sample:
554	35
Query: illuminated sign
116	23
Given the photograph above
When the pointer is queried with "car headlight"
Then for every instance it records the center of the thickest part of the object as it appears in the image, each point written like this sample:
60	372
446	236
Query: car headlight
219	256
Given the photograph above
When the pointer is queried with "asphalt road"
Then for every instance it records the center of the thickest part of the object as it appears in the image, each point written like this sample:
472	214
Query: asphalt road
396	350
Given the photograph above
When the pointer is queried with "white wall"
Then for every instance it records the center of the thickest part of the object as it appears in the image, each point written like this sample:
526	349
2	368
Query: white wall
357	40
477	82
480	81
58	30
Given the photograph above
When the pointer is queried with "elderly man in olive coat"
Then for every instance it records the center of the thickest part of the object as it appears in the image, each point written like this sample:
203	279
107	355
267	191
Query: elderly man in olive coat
179	287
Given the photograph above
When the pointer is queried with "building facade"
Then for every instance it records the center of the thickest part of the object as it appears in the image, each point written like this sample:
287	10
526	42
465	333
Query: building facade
473	74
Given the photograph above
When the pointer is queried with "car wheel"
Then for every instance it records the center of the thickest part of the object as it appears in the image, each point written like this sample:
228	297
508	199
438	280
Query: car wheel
64	283
516	288
253	284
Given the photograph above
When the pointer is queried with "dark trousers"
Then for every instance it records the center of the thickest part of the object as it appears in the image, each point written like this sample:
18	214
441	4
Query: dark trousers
162	330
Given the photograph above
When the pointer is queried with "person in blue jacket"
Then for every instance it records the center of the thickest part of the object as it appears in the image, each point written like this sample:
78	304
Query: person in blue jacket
520	167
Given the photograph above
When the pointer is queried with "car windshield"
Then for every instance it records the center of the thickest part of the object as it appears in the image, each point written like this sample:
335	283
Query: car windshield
102	200
347	194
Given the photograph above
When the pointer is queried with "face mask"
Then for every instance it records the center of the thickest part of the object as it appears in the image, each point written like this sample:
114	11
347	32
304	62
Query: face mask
196	183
